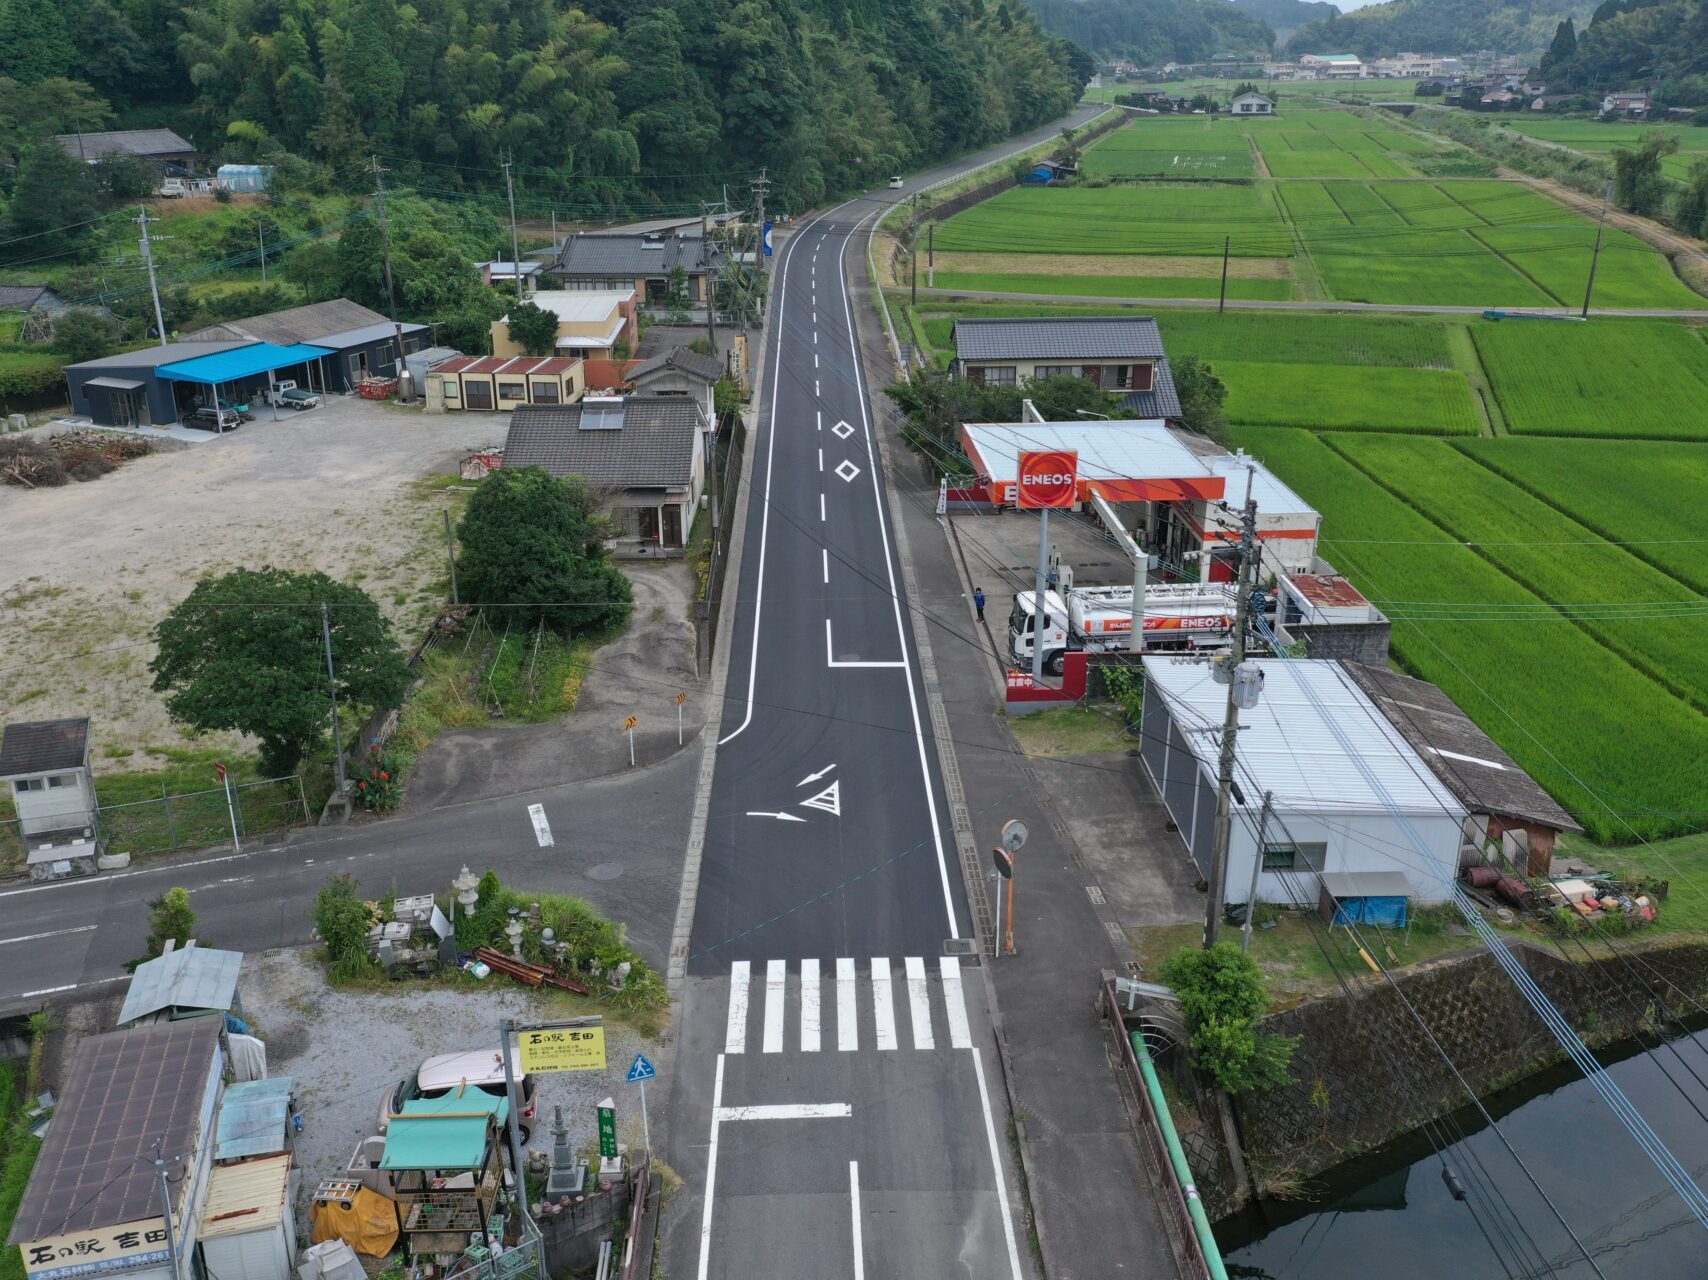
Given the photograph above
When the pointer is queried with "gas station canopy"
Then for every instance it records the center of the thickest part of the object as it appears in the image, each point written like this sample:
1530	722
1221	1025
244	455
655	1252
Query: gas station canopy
1138	460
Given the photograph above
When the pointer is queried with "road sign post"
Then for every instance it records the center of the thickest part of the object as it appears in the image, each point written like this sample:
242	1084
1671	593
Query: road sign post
640	1071
1014	835
681	697
630	724
230	806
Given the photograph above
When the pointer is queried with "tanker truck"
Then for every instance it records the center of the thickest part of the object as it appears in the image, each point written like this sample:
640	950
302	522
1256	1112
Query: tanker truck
1179	615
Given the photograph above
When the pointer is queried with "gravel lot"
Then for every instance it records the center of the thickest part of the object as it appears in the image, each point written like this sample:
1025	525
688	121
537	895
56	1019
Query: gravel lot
90	568
345	1049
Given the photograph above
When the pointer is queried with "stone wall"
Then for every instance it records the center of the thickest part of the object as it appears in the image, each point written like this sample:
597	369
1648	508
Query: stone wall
1365	1072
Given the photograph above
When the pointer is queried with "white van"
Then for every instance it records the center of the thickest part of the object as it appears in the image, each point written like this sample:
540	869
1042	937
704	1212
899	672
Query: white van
896	183
479	1069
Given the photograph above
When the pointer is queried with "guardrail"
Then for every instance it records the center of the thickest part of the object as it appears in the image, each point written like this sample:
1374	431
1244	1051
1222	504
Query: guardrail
1183	1213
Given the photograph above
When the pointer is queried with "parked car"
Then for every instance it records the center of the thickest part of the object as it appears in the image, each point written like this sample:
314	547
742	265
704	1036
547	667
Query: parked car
209	418
287	395
896	183
479	1069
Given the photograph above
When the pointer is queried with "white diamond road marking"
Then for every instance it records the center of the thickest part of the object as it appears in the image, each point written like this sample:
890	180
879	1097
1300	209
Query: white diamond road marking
842	430
847	470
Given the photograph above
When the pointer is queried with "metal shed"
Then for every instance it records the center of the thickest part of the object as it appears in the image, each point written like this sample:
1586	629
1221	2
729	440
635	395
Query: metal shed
247	1228
187	983
254	1119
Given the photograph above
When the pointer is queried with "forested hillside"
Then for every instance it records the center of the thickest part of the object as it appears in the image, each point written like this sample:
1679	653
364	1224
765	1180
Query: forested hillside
1658	44
1439	26
1152	32
1287	16
610	104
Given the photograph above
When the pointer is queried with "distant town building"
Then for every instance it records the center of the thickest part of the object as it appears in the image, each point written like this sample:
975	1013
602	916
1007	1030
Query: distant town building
1634	104
1251	104
1333	66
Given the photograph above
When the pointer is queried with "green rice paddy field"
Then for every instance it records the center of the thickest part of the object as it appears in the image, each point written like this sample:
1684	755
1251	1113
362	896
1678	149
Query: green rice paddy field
1121	286
1600	138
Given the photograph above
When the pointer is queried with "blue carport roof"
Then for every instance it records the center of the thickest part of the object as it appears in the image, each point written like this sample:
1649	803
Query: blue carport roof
243	362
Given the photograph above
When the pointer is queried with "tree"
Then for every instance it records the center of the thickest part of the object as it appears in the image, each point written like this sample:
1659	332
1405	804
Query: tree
1222	997
84	333
1638	184
53	204
1202	395
1563	48
169	917
34	41
532	540
342	921
533	328
314	269
244	652
1690	212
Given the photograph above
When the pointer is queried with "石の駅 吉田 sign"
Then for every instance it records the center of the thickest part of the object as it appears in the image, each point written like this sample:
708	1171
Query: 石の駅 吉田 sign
80	1253
562	1049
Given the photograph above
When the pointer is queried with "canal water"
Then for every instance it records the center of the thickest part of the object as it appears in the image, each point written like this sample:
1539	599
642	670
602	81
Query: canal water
1390	1216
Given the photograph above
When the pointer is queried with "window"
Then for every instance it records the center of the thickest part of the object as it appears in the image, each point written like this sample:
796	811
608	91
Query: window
62	780
998	375
1056	371
1295	856
546	393
512	391
1142	377
452	390
479	394
29	784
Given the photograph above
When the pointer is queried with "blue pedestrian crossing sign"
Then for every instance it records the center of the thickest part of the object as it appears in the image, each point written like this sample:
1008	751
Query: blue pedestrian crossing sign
640	1069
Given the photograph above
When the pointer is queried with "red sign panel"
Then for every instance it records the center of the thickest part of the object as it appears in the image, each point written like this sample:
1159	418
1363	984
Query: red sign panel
1048	478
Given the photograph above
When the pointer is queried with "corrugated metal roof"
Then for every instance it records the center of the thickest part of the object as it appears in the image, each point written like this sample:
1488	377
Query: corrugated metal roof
154	357
252	1118
189	978
241	362
654	448
128	1095
1065	338
448	1132
1135	450
297	324
125	142
36	746
246	1197
1273	497
1288	744
366	335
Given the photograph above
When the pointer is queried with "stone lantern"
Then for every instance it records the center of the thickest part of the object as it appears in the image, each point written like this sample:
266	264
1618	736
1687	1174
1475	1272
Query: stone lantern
466	885
513	931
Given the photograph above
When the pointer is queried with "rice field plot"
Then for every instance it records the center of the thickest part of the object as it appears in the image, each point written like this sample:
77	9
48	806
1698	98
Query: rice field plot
1632	479
1598	138
1147	148
1115	286
1626	603
1571	712
1645	379
1154	218
1353	341
1323	397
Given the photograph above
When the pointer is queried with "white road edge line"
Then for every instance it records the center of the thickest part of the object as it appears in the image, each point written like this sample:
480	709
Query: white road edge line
895	593
847	1020
811	1018
169	867
776	979
919	1003
995	1165
712	1170
787	1111
51	933
854	1217
883	1004
955	1001
735	1034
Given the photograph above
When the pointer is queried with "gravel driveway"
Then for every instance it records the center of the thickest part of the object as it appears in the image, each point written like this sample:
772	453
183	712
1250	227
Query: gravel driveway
345	1049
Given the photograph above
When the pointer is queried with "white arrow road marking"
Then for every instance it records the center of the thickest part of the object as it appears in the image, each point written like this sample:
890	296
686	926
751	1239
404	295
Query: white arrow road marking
781	817
830	800
814	777
847	470
542	828
842	430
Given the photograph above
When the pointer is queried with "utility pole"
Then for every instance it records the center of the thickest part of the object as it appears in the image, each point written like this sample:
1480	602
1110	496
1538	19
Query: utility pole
1222	303
1606	195
554	231
142	220
761	185
1230	722
515	253
166	1213
913	273
405	384
332	687
451	551
261	234
930	255
709	284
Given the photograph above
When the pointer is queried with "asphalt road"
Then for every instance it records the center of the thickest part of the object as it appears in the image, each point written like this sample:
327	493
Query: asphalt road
617	841
838	1106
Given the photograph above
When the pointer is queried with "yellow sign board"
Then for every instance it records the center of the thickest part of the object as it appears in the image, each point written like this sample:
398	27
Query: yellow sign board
562	1049
79	1253
631	722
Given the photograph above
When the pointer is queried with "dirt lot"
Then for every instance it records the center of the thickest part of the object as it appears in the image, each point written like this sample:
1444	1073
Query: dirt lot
88	569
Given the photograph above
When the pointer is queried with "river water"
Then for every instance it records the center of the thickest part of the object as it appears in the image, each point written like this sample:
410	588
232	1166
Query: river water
1390	1216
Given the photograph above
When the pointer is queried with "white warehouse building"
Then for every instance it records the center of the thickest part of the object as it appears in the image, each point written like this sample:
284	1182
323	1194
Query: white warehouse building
1302	743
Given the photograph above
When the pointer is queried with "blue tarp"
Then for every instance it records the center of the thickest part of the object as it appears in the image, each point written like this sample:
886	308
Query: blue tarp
1389	913
242	362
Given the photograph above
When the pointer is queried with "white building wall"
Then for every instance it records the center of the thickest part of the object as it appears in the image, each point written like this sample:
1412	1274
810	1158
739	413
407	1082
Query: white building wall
1356	842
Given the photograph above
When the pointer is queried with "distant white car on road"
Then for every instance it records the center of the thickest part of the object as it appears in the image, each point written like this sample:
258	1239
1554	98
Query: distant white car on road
896	183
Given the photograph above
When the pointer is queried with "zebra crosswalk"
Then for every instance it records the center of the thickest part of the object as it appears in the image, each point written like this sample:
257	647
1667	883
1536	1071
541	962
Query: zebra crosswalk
793	1012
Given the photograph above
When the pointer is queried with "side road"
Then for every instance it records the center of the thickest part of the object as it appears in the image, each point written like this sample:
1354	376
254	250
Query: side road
1091	1195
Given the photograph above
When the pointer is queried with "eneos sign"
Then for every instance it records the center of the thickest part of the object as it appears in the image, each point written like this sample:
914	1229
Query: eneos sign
1048	478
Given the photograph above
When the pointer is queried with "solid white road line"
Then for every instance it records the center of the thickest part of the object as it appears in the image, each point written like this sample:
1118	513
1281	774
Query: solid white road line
847	1025
821	516
735	1035
954	1000
810	1015
711	1171
919	1003
52	933
776	977
995	1166
883	1006
854	1199
787	1111
825	552
895	596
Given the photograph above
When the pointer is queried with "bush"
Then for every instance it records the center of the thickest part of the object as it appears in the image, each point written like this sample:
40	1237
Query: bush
378	792
170	916
1222	996
342	920
27	377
